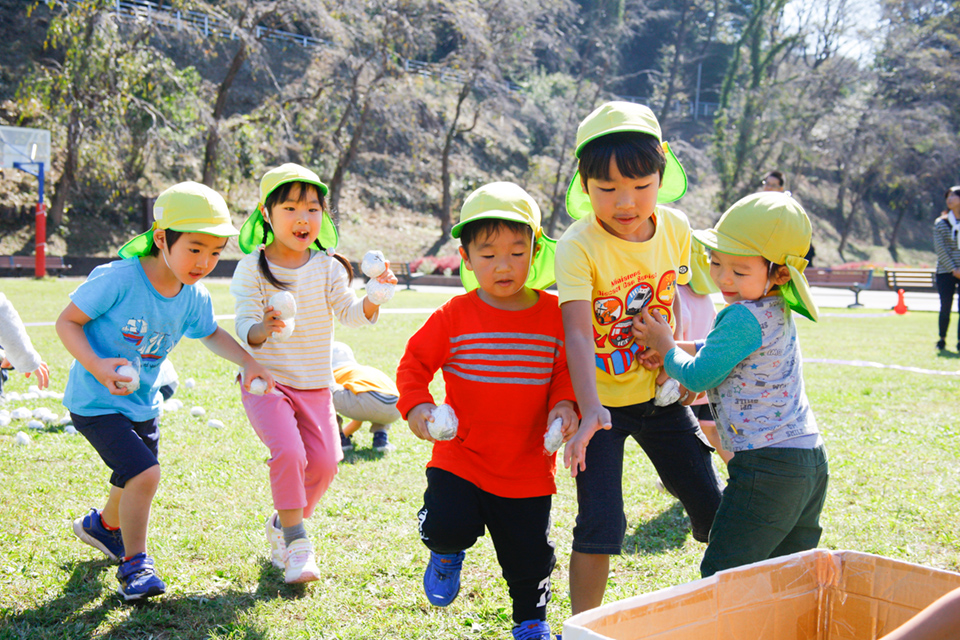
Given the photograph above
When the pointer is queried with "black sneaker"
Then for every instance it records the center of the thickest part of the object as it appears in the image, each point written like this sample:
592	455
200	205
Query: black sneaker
381	443
942	344
346	444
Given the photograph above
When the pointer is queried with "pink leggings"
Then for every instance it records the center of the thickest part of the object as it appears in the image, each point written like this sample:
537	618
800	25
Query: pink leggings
300	429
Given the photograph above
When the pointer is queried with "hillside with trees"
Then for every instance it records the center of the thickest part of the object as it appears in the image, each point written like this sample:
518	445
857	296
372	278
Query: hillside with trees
405	106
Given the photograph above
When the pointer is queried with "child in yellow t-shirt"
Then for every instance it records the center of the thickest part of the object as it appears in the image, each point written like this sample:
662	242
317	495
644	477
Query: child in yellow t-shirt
625	253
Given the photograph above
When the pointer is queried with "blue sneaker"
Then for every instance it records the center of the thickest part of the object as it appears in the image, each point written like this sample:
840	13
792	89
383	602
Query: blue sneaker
532	630
441	580
90	529
381	442
138	579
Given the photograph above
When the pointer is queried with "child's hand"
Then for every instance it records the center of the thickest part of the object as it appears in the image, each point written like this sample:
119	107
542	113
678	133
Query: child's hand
417	420
42	372
387	277
106	374
271	321
575	455
253	370
653	332
565	411
43	375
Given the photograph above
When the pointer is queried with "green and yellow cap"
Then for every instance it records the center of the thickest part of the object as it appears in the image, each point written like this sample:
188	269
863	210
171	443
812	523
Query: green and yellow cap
616	117
252	232
188	207
772	225
508	201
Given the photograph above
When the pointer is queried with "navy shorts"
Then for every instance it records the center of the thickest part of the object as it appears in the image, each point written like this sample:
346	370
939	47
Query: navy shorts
669	437
129	448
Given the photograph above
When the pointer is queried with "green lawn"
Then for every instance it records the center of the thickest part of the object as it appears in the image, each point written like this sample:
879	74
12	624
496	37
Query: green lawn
895	491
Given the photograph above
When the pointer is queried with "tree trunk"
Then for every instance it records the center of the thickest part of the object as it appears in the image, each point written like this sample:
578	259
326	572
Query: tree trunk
675	65
446	221
336	183
68	176
211	152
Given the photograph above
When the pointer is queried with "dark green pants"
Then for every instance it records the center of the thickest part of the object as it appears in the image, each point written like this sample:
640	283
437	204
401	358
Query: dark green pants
770	507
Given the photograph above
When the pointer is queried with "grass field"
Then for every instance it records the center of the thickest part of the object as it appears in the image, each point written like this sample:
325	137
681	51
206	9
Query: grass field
895	490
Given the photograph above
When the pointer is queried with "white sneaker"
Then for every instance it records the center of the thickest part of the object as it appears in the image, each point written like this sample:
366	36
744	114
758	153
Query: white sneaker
301	563
275	537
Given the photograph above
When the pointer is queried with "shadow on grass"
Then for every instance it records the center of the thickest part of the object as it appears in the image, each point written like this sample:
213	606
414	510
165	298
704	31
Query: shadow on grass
362	455
949	355
85	609
669	530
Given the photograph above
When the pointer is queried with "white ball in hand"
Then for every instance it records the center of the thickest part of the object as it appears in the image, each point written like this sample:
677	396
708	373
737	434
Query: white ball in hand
553	438
667	393
445	423
380	292
373	264
284	304
258	387
289	324
129	372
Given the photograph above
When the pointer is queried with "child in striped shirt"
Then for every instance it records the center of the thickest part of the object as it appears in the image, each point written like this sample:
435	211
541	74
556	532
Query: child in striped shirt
289	240
501	350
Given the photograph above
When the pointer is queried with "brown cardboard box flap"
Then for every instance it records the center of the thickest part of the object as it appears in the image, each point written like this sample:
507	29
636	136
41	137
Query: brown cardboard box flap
815	595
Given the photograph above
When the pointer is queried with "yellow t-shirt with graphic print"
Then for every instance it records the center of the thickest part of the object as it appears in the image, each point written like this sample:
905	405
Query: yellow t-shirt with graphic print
619	278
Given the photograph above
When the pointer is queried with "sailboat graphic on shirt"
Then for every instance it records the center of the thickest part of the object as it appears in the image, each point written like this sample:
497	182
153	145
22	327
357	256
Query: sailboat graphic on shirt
134	331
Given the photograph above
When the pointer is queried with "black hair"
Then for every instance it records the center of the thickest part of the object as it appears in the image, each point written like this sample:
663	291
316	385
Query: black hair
778	175
637	154
485	227
171	236
281	194
955	189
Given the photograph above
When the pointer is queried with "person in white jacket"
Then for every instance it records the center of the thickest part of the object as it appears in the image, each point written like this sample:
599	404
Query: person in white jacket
16	350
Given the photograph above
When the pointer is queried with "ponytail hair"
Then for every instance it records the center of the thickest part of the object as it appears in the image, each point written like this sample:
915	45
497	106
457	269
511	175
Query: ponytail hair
280	194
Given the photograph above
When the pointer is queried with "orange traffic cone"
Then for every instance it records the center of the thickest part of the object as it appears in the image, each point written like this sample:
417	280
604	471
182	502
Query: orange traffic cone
901	307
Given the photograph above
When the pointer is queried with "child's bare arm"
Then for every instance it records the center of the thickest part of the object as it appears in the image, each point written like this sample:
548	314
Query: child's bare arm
222	343
578	328
70	331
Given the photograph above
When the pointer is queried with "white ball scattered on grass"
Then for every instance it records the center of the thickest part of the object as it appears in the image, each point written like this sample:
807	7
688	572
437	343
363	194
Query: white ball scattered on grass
553	438
36	425
70	430
128	371
4	421
189	383
380	292
198	411
22	439
39	412
284	304
65	419
13	396
30	396
34	389
373	264
445	423
215	424
21	413
258	387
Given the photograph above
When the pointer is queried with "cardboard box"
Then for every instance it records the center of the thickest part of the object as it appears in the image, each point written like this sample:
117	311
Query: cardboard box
815	595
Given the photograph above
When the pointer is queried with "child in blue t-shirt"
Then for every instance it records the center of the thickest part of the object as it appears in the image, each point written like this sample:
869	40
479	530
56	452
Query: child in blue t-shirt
120	326
750	366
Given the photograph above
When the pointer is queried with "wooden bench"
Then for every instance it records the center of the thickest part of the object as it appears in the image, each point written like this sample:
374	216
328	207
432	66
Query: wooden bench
911	279
854	279
27	264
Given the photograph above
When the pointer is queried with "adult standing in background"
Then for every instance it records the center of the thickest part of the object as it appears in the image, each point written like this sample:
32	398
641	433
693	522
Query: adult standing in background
776	181
946	242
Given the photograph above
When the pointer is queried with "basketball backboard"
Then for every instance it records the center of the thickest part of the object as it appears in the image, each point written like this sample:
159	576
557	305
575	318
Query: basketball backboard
20	144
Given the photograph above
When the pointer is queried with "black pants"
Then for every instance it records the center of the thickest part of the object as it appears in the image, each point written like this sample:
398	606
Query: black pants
946	286
453	516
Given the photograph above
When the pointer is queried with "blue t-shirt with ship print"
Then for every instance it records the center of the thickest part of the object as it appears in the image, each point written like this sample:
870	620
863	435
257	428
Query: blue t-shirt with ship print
130	319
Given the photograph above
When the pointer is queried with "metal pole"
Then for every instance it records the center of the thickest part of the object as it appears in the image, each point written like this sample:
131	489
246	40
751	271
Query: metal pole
40	268
696	100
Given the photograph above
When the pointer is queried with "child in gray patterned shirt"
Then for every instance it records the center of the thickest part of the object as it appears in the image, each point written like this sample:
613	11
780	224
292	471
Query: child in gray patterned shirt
750	366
